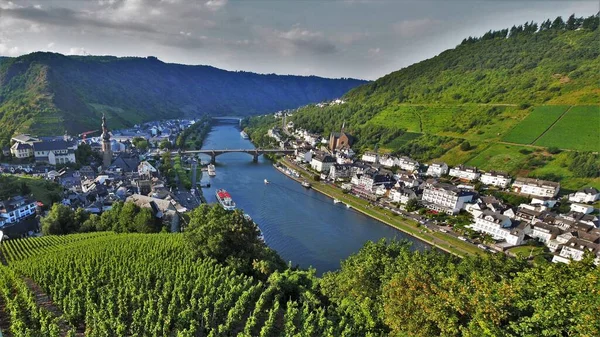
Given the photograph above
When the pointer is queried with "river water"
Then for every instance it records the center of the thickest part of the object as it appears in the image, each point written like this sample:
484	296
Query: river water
302	225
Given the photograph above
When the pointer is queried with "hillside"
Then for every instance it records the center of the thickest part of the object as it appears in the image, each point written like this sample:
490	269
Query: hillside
511	94
107	284
46	93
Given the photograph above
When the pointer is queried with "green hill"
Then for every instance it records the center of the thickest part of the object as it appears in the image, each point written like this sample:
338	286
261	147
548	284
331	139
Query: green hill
47	93
526	89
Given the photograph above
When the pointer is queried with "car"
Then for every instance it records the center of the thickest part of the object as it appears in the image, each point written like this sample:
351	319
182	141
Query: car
443	230
484	247
462	238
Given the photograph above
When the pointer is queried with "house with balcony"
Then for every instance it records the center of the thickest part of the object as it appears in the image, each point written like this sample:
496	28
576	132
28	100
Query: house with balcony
15	210
536	187
465	173
445	198
586	195
499	226
55	152
437	169
322	162
494	178
407	164
370	157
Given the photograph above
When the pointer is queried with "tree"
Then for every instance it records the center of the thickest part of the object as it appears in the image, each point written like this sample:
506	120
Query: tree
229	238
591	22
140	143
165	144
412	205
558	23
465	146
60	220
572	23
145	222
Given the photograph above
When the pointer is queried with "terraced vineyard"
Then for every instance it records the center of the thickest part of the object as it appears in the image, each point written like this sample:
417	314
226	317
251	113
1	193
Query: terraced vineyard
151	285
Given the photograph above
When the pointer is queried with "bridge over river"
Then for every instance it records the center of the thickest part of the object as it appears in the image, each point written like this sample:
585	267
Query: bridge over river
255	153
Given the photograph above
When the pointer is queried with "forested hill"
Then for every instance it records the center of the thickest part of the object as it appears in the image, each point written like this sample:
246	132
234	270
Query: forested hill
46	92
534	86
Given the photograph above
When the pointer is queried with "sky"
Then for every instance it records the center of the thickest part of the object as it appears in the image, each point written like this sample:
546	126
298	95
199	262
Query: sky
345	38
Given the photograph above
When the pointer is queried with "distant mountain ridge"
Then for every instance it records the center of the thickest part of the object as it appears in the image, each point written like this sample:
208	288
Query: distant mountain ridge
49	93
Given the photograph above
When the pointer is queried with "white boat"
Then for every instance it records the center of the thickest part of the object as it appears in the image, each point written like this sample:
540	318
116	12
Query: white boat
225	200
261	236
348	206
244	135
306	184
211	170
266	181
335	201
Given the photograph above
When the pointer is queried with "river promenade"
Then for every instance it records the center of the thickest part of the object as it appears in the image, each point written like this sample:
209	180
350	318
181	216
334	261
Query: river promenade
442	241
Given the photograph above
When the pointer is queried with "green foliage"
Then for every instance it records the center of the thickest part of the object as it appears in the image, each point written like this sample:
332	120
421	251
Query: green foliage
62	220
577	130
140	143
584	164
538	121
43	190
230	238
84	154
412	205
465	146
46	93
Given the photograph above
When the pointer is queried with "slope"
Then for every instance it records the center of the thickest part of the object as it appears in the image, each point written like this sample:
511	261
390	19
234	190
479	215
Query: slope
49	93
480	92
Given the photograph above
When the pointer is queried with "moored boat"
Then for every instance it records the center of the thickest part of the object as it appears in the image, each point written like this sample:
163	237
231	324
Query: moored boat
224	198
306	184
211	170
335	201
244	135
266	181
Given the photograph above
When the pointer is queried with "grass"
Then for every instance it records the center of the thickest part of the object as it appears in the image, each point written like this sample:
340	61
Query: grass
576	130
41	189
499	157
534	124
526	251
183	175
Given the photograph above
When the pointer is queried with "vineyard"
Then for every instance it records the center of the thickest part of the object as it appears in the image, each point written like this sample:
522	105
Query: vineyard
151	285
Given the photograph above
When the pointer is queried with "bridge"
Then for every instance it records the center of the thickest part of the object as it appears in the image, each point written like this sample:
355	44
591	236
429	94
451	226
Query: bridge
255	153
228	118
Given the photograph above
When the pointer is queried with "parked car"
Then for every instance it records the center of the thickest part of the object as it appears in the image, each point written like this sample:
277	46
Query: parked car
443	230
462	238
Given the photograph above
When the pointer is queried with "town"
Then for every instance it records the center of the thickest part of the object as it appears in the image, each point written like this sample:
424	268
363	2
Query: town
497	212
93	173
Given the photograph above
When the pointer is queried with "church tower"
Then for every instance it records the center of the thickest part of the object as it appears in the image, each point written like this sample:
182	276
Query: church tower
106	151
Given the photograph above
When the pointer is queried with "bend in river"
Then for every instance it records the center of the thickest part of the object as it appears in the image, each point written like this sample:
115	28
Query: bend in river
302	225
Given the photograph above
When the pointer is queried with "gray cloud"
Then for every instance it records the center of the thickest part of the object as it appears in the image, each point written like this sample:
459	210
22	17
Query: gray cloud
345	38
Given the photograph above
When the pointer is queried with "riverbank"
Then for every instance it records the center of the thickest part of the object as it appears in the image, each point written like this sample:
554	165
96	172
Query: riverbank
439	240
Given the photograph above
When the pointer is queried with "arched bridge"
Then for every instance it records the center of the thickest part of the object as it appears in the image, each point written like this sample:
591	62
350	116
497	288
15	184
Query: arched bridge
253	152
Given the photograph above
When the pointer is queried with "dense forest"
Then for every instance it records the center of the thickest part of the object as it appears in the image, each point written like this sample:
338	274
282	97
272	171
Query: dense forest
48	93
219	279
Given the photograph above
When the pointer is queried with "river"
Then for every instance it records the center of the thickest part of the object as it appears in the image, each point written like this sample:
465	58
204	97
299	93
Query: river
302	225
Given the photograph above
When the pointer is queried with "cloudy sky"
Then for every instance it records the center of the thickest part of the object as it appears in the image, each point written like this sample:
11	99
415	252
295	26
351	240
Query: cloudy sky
345	38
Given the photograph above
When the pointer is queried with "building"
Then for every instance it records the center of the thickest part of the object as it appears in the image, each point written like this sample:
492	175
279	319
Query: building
498	226
303	155
445	198
339	140
387	161
536	187
544	232
106	148
402	194
463	172
372	178
575	249
582	208
437	169
166	210
370	157
21	150
56	152
407	164
585	195
340	172
322	162
145	169
16	209
493	178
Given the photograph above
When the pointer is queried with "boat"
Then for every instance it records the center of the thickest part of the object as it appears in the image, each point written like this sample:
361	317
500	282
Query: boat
225	200
348	206
266	181
244	135
261	235
335	201
211	170
306	184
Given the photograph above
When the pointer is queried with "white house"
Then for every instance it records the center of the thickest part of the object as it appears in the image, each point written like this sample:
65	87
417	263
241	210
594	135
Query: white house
322	162
372	178
370	157
498	226
493	178
464	173
585	195
544	232
437	169
582	208
402	195
340	172
21	150
387	161
146	169
16	209
445	198
303	155
541	188
575	250
55	152
407	164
